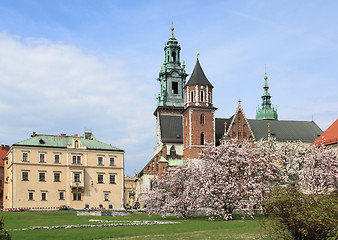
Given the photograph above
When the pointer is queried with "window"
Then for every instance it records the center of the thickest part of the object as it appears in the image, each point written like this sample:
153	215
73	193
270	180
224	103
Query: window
76	159
100	206
112	161
76	196
106	196
172	151
43	196
202	138
87	206
110	206
202	96
25	157
174	87
42	157
24	176
76	177
31	196
100	178
209	97
61	195
56	177
191	96
100	161
112	178
202	119
57	158
42	177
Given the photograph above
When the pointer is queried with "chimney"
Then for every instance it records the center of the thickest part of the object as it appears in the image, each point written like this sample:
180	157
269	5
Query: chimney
63	135
34	134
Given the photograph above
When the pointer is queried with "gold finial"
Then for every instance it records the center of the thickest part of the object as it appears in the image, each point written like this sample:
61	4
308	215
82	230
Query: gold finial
198	54
239	101
172	28
268	130
265	73
225	128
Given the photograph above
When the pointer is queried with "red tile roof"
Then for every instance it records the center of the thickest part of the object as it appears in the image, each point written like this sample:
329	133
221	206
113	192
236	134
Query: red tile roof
3	151
330	136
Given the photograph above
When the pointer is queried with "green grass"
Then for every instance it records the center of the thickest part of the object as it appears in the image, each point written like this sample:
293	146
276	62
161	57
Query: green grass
197	228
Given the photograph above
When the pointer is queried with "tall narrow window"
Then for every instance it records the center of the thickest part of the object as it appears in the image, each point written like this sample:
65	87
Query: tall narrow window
112	178
57	158
202	138
100	161
42	177
202	96
191	96
24	176
25	157
174	87
202	119
42	157
31	196
76	177
61	195
100	178
210	97
43	196
56	177
112	161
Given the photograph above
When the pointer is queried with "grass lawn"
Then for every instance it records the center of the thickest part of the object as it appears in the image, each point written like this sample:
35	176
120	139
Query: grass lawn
196	228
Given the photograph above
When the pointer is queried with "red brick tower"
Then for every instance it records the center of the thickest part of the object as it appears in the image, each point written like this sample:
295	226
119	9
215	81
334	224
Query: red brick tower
198	114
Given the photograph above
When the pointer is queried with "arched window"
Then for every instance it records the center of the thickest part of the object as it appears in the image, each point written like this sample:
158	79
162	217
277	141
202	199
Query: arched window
202	96
202	119
210	97
172	151
76	144
191	96
202	138
173	54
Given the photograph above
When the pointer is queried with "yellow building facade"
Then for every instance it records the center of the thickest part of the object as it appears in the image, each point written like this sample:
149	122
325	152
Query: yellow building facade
55	170
130	199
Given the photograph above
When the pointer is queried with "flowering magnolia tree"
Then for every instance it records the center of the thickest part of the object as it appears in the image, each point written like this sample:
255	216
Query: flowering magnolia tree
176	191
320	172
230	175
233	174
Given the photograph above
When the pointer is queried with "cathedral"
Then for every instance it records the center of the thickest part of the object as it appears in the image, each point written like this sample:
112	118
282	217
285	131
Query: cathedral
185	118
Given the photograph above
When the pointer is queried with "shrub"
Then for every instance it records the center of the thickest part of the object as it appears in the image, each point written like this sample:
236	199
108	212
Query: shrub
294	215
3	233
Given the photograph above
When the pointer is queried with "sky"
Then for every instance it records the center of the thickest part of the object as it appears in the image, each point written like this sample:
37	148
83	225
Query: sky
69	66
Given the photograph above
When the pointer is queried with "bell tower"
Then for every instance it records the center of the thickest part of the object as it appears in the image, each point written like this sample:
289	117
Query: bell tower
172	75
170	102
198	114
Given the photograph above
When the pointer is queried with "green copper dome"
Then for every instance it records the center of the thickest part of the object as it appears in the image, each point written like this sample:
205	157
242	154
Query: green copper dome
266	111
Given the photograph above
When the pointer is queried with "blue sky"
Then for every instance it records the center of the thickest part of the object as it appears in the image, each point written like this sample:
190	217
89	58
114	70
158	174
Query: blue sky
67	66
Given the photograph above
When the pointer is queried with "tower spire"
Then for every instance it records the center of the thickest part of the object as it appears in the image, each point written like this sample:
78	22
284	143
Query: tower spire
172	75
266	111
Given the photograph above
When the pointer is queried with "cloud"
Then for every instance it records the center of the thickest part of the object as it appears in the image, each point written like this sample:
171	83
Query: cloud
51	87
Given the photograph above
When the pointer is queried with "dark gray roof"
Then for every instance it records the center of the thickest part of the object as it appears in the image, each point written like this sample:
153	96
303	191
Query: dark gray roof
198	76
285	130
171	129
219	127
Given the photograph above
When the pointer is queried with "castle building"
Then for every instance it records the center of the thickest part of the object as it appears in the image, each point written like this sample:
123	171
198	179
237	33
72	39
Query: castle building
185	119
47	171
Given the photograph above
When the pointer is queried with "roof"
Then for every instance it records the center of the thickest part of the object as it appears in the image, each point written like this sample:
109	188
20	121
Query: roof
171	128
330	136
61	141
285	130
219	127
198	76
